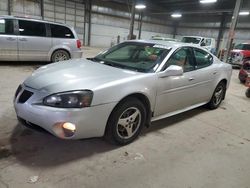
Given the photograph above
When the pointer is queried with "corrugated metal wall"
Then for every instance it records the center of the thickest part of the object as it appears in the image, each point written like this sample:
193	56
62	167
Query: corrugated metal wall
3	7
106	29
108	22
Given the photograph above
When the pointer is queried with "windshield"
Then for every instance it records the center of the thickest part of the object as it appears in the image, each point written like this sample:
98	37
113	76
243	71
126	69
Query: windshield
239	47
194	40
242	47
137	56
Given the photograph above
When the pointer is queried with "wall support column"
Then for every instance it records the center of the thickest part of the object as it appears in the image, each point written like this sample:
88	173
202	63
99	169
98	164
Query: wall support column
221	31
87	19
42	8
132	20
175	29
140	24
232	27
9	7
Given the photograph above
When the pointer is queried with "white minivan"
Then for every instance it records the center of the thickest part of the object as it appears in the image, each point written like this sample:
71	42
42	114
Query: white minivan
207	43
23	39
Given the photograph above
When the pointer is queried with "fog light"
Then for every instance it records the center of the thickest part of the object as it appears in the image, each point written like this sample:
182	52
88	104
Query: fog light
65	129
69	126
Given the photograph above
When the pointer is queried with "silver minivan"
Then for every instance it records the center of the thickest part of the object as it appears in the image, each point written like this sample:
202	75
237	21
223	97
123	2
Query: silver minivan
23	39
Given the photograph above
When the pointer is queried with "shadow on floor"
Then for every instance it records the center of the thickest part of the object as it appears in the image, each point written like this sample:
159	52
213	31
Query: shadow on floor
37	149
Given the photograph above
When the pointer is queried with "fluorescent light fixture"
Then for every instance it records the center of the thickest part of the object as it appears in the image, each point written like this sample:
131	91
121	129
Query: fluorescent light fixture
140	6
207	1
176	15
244	13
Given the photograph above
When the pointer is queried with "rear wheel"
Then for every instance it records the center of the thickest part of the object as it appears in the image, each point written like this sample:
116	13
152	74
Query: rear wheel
126	121
60	55
218	96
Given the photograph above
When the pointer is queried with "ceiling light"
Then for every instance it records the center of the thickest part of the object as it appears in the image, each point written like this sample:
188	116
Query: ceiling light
176	15
140	6
244	13
207	1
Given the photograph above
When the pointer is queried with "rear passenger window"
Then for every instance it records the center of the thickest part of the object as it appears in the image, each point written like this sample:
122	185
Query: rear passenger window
30	28
58	31
6	26
203	58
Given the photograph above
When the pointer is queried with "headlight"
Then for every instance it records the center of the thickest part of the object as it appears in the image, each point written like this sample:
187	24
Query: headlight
72	99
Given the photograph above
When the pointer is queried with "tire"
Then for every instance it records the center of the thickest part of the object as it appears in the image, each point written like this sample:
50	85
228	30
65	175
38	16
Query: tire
218	96
126	122
248	93
60	55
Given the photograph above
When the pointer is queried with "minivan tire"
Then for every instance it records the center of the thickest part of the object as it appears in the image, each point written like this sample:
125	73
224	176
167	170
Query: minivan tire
60	55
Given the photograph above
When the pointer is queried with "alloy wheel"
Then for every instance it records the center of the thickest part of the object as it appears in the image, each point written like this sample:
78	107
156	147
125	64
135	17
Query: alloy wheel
128	123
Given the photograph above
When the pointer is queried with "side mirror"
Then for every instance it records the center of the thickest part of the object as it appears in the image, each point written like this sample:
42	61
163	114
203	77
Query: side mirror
172	70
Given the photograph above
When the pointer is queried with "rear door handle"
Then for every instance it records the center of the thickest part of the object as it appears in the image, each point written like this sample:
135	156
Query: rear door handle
10	39
215	72
191	79
23	39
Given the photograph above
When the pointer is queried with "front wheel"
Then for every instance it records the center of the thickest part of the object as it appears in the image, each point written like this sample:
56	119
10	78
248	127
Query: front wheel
218	96
126	121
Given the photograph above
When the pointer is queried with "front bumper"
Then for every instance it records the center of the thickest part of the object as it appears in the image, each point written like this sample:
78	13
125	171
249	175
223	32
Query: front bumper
242	75
237	62
90	122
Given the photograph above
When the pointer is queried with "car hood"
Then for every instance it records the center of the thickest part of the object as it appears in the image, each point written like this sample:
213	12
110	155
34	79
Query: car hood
75	75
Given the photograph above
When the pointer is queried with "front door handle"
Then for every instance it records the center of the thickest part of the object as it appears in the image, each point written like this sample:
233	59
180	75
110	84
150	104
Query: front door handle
23	39
215	72
10	39
191	79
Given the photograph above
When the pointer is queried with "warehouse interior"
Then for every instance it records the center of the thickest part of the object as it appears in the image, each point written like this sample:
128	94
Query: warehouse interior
197	148
110	18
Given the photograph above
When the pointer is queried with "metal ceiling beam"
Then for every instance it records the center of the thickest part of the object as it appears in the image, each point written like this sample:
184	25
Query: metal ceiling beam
194	12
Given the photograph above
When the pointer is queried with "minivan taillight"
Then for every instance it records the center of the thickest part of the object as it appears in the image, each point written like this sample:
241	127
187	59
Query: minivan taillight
78	44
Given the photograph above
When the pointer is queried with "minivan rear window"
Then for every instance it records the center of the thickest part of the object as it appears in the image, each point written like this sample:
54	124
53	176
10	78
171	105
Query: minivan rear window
58	31
31	28
6	26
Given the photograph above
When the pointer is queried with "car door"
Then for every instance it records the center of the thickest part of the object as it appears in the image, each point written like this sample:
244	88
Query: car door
176	92
33	43
8	40
204	75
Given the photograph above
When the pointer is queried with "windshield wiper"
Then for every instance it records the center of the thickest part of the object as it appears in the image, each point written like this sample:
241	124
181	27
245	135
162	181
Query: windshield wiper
94	59
113	64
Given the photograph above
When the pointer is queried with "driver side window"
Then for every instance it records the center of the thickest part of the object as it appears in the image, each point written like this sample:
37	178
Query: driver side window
183	57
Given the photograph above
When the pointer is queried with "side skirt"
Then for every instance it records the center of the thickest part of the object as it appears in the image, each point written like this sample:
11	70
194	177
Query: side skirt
177	112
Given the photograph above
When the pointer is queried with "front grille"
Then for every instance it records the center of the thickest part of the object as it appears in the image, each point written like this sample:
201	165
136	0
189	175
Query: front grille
18	90
25	96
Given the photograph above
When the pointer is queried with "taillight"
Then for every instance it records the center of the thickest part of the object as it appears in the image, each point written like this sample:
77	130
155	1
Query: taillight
78	44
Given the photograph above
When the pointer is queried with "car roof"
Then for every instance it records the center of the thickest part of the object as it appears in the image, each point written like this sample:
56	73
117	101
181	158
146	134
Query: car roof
171	44
200	37
194	36
33	19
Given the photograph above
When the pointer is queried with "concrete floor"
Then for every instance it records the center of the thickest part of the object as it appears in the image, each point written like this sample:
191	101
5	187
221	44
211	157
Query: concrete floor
198	149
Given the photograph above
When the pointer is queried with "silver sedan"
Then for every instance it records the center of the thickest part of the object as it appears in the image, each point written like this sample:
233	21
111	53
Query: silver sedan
121	90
